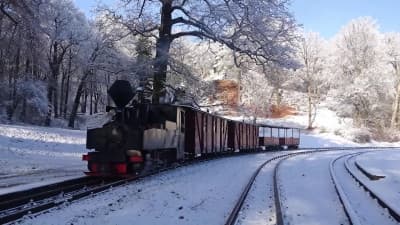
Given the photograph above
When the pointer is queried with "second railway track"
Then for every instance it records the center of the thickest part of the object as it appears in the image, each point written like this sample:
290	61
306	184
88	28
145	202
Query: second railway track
384	203
279	217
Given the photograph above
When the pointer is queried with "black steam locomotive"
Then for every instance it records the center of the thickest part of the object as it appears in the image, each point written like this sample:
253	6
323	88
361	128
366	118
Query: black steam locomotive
144	136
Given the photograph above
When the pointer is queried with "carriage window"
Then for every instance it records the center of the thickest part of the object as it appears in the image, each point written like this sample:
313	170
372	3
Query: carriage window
182	121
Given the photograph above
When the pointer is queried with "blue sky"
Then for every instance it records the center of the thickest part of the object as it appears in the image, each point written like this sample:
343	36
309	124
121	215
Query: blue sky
326	16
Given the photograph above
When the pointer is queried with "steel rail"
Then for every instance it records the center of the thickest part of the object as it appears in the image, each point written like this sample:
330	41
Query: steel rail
348	209
231	220
395	213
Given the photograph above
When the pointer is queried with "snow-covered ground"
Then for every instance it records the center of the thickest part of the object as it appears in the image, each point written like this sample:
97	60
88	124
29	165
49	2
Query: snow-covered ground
33	156
259	207
365	209
381	163
200	194
307	194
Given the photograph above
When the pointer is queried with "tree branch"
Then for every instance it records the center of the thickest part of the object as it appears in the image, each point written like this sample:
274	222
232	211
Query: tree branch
7	14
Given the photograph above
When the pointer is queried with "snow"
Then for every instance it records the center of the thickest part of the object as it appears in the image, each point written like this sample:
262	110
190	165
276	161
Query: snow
33	156
200	194
384	163
306	191
366	210
259	206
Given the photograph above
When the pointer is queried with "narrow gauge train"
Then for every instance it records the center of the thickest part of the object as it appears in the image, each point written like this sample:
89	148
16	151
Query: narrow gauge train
144	136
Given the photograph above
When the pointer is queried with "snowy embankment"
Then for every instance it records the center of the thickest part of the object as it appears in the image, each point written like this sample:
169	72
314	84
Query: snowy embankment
33	156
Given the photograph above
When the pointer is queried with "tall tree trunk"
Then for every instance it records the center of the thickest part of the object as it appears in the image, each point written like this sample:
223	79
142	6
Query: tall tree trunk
107	86
13	83
55	97
84	102
310	120
163	45
66	96
96	102
78	95
62	92
27	68
395	108
69	71
91	99
50	100
50	88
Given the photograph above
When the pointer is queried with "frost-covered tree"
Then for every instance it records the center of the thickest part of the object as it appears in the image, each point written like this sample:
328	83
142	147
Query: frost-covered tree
263	30
97	53
392	56
65	27
312	55
359	82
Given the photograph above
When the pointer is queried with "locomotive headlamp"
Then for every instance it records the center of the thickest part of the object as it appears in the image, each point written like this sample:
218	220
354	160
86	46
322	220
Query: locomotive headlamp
121	93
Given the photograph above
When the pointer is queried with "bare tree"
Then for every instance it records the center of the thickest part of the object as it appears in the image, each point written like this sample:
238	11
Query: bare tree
65	27
99	54
262	30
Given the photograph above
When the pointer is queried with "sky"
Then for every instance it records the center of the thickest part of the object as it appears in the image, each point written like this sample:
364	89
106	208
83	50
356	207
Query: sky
328	16
324	16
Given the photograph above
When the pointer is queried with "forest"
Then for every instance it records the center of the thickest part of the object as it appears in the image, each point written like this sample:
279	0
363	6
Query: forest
56	64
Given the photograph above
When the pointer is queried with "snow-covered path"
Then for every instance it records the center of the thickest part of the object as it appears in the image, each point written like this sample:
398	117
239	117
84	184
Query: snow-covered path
200	194
366	209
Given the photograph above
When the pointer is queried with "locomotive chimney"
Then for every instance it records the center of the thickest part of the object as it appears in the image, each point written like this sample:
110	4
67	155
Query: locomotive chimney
121	93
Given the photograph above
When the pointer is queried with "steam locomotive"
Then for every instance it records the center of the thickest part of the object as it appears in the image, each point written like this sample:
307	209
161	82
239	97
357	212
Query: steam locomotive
144	136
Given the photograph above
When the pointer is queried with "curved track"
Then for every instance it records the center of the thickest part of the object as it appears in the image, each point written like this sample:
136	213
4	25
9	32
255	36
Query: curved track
348	209
353	218
232	218
239	203
382	202
359	207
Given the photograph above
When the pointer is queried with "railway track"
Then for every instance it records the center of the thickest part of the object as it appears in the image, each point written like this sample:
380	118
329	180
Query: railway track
14	206
348	209
393	211
232	218
367	209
